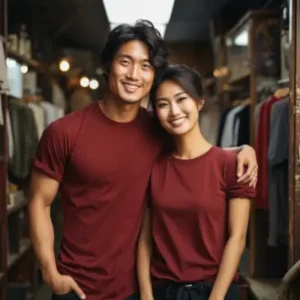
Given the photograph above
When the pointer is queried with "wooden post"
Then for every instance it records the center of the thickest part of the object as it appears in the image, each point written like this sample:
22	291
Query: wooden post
3	171
294	155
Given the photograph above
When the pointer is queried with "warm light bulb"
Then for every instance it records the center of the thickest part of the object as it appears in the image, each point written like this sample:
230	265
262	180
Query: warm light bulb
24	69
94	84
64	66
84	81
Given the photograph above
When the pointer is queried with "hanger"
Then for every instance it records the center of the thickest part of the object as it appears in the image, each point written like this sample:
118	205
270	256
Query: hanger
284	90
238	102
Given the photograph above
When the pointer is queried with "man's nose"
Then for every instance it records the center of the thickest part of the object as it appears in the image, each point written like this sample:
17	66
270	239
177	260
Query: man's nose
133	72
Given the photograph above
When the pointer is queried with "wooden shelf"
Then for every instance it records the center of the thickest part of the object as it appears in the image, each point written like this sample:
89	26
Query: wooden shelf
15	208
239	79
23	60
263	289
12	259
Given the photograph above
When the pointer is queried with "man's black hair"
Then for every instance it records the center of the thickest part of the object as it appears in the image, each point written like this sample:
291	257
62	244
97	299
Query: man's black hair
143	31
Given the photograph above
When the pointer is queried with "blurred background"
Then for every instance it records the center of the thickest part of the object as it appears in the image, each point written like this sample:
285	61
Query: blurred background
248	54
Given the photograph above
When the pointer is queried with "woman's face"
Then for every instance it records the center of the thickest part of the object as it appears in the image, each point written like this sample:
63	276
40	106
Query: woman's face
177	112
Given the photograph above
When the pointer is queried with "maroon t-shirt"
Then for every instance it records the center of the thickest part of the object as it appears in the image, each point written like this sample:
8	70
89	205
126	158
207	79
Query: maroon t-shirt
103	168
189	201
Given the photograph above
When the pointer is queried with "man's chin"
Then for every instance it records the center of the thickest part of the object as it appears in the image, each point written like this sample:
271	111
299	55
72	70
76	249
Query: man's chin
132	101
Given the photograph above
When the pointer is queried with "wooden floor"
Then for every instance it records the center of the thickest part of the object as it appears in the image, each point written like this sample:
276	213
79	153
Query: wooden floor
263	289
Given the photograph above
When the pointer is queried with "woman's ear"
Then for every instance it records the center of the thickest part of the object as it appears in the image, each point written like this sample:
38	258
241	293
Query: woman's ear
200	104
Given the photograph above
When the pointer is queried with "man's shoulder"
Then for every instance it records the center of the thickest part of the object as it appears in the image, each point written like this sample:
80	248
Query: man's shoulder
70	123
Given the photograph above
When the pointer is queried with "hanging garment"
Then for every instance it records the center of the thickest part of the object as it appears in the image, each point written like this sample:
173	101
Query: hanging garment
241	130
25	138
38	114
209	120
221	126
51	112
10	139
261	147
58	97
3	71
278	152
227	137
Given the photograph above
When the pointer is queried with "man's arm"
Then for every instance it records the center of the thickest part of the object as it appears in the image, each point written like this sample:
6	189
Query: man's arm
42	193
247	164
144	253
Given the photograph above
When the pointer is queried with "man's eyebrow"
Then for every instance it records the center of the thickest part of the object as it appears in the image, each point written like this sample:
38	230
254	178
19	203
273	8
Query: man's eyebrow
124	55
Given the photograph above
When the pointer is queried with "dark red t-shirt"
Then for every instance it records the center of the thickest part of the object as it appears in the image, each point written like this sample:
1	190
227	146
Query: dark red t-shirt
189	214
103	168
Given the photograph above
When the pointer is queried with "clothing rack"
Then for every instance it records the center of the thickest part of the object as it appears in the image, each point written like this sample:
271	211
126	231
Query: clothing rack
260	272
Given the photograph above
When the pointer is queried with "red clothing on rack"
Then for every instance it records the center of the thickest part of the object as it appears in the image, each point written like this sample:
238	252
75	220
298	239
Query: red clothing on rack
261	148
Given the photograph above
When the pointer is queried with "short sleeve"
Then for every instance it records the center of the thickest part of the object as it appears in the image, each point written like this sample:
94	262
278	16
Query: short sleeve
53	151
236	189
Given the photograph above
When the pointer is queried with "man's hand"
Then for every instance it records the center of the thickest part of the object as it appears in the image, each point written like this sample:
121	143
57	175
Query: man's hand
63	284
246	159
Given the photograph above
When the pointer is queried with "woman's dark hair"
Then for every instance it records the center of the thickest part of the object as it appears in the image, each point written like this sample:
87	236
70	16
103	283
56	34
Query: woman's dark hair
190	81
143	31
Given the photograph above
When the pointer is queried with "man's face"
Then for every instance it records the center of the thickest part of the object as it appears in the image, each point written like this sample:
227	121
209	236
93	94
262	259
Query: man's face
131	75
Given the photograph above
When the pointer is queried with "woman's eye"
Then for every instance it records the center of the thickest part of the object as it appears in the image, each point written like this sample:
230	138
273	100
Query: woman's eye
181	99
161	105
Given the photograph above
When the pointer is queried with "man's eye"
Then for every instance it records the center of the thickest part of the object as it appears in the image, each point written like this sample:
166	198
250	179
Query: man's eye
146	66
125	62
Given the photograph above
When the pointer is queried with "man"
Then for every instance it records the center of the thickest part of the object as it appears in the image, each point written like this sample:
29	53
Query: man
99	158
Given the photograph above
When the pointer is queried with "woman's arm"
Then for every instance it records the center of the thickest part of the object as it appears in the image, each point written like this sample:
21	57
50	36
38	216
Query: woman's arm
239	210
144	258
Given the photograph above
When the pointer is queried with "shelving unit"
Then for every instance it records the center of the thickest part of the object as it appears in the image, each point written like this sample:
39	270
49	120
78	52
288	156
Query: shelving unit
31	63
12	259
18	267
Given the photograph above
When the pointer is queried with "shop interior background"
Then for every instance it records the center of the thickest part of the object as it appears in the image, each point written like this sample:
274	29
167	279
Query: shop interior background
245	50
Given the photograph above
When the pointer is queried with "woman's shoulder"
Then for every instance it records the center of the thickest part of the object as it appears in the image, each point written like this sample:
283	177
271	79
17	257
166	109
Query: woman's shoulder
225	156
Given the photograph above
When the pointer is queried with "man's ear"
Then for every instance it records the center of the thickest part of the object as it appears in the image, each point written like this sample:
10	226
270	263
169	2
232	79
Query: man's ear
200	104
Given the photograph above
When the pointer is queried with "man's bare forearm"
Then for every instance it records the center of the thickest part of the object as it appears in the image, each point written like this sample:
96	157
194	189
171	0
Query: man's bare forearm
42	236
235	149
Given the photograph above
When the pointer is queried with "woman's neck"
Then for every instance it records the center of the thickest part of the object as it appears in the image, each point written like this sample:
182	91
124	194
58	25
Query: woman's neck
191	144
117	111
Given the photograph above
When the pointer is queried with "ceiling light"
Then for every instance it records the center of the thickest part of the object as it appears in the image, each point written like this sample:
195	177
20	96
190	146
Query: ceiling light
24	69
157	11
94	84
84	81
64	65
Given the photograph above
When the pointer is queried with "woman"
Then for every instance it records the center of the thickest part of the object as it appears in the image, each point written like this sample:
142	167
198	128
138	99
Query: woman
194	234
